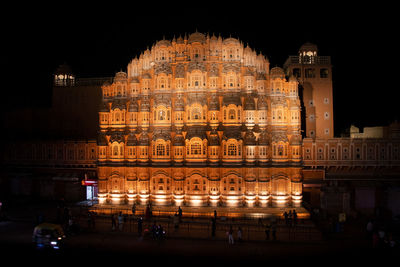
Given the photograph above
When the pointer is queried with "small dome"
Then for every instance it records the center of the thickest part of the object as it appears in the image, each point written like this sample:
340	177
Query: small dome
179	40
144	139
163	43
196	37
231	40
250	139
262	103
132	141
146	76
134	80
277	72
263	140
118	104
249	103
120	76
308	47
213	140
179	140
231	99
133	106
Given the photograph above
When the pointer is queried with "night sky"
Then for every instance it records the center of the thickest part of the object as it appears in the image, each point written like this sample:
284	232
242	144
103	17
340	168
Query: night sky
99	42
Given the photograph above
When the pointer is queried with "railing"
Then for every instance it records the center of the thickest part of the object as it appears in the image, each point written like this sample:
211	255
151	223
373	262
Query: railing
312	60
93	81
200	227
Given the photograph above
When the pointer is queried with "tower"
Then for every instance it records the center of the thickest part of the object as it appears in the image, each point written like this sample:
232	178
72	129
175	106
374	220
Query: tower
314	74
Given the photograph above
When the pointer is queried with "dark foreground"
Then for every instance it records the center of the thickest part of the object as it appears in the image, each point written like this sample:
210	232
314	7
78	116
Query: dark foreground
105	247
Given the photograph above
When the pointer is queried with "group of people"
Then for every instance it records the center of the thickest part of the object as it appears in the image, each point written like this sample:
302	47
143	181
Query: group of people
118	221
231	240
290	218
379	237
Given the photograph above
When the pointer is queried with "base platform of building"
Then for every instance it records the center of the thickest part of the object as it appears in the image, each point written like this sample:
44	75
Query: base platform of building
204	211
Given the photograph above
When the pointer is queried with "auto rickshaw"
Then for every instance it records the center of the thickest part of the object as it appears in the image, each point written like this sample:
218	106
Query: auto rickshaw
48	235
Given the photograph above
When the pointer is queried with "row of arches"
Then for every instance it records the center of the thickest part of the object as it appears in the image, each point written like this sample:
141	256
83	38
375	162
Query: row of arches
197	149
279	186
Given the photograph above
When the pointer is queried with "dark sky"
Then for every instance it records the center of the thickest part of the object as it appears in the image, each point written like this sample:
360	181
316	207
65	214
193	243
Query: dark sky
99	42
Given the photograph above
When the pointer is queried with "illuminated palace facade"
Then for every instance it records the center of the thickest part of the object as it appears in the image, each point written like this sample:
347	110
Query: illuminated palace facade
200	120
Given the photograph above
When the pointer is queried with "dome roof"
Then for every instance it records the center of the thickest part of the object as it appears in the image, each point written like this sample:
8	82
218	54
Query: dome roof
146	76
231	40
249	103
132	141
232	132
196	37
213	140
263	140
118	104
179	140
143	139
120	76
134	80
262	103
196	132
133	107
308	47
250	139
231	99
277	72
163	43
162	135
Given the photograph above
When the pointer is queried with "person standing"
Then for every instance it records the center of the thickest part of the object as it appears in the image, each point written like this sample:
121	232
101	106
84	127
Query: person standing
133	209
239	235
180	213
120	221
294	217
113	222
286	215
230	236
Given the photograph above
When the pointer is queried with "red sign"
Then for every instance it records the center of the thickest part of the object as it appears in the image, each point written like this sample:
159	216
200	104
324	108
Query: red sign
89	182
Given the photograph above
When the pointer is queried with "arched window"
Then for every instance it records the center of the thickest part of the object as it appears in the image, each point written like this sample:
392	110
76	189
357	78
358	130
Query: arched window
161	115
160	150
196	113
115	150
232	150
231	114
195	148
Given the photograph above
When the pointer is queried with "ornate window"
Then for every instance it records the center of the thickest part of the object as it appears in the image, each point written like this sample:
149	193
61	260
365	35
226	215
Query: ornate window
195	148
160	150
161	115
232	150
231	114
196	113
